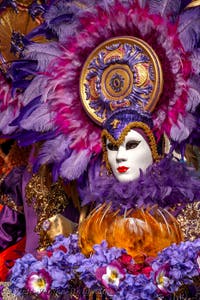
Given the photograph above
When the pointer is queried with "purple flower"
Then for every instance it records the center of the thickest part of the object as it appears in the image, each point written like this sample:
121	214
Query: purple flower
110	276
20	271
105	254
182	260
101	258
60	278
58	258
70	243
162	279
136	287
64	267
39	283
39	265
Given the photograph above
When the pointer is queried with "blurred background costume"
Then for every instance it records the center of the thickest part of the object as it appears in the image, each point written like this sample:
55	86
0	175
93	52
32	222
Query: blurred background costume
131	68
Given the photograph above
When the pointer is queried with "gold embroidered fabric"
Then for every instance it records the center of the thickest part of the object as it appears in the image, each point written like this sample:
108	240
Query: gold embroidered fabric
189	220
8	201
48	199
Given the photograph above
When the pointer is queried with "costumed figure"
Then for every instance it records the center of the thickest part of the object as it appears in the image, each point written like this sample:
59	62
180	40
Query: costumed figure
120	79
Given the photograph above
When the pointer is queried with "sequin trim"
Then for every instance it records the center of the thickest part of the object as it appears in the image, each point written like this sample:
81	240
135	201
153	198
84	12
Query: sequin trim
189	221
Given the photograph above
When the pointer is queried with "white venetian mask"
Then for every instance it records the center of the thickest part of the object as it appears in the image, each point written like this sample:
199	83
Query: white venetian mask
133	155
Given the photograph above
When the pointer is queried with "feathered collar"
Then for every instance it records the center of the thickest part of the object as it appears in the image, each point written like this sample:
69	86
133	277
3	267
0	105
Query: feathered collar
166	183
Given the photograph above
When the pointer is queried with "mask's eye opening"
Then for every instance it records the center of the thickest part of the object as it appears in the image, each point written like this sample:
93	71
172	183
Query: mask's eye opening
112	147
161	145
132	144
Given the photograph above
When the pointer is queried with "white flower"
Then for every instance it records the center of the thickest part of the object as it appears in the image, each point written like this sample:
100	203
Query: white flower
112	275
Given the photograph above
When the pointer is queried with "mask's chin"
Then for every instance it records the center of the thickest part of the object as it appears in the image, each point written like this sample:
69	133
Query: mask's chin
126	177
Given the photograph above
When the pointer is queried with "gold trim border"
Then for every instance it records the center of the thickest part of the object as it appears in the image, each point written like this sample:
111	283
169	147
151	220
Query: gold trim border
119	141
157	69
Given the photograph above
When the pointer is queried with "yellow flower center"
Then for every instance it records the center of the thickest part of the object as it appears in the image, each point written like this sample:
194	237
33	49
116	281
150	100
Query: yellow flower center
41	283
113	276
161	280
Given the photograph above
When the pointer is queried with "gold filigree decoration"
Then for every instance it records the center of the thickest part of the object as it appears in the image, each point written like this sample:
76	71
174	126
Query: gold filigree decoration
152	142
8	201
48	199
109	81
189	220
115	123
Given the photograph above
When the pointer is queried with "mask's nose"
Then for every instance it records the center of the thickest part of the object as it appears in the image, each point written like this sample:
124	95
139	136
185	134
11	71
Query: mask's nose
121	154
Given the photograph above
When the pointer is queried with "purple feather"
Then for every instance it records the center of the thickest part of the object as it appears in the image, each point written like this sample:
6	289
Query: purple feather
143	3
26	138
189	28
43	54
39	120
165	7
107	4
165	184
193	93
75	165
62	18
195	59
181	131
55	150
37	88
5	119
26	111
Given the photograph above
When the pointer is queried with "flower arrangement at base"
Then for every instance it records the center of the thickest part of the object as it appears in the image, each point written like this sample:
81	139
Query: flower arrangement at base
63	270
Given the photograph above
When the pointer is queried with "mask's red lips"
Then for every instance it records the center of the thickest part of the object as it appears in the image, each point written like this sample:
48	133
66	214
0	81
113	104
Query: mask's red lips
122	169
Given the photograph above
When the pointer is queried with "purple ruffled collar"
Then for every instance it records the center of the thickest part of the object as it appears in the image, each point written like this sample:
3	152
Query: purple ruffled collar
166	183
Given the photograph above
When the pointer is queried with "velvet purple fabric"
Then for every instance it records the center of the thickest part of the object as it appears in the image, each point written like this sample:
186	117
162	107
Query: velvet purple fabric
12	223
12	227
